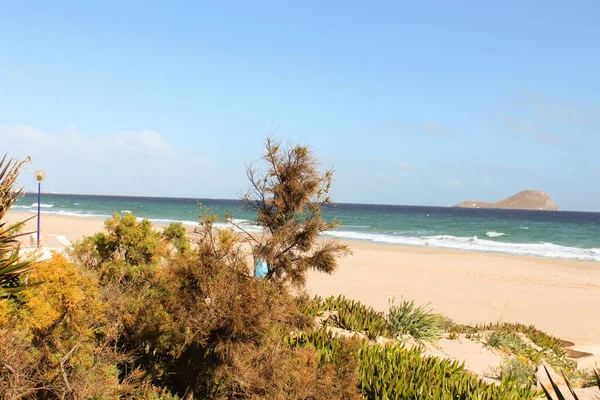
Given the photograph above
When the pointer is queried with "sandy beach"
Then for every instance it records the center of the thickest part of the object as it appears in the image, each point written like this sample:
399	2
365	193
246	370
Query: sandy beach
560	297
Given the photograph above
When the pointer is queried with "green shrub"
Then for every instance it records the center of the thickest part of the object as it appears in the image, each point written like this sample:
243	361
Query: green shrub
416	321
176	235
127	251
506	338
506	341
516	369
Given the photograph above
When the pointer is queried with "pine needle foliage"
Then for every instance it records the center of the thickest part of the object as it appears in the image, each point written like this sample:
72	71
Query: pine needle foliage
288	197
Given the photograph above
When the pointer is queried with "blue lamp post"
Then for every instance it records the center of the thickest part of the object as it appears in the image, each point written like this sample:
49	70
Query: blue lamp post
39	176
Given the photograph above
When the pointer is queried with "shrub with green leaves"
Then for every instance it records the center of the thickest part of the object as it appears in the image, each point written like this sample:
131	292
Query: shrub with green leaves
519	370
508	338
505	341
176	235
416	321
126	251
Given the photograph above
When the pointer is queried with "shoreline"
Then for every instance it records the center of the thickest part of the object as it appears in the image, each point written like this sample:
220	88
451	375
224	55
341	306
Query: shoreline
482	245
561	297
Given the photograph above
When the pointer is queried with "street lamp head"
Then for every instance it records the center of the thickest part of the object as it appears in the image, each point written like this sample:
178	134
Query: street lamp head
39	175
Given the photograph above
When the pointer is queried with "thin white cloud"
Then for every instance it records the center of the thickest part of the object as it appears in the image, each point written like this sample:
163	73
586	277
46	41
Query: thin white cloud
423	127
71	142
556	110
546	120
404	166
430	127
453	181
535	132
132	162
381	176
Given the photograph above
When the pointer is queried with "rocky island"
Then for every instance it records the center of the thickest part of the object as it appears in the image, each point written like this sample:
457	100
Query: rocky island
525	200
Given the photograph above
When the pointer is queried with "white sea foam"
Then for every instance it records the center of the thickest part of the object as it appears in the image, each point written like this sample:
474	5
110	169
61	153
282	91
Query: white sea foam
34	205
524	227
71	213
166	221
125	211
495	234
475	244
42	205
19	207
77	214
77	204
221	225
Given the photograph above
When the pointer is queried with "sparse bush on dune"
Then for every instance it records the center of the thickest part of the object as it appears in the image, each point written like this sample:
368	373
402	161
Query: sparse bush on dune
176	235
416	321
287	198
515	369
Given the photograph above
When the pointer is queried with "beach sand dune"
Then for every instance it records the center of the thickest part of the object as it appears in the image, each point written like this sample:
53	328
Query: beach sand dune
558	296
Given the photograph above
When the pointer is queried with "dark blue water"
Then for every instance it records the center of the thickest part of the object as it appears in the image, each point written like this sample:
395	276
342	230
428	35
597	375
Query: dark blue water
557	234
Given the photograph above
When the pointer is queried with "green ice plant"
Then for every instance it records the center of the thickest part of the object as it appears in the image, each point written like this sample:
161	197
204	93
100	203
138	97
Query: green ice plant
354	316
394	372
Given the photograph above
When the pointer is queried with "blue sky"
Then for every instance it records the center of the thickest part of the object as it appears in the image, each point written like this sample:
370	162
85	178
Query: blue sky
410	102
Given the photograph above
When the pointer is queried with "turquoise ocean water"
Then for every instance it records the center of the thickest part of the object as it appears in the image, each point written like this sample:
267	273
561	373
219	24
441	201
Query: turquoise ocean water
561	234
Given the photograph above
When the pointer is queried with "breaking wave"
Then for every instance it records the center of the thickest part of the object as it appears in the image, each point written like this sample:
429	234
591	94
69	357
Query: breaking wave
495	234
475	244
34	205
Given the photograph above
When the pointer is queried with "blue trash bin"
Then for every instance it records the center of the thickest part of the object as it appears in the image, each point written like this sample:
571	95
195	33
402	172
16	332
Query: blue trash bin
260	267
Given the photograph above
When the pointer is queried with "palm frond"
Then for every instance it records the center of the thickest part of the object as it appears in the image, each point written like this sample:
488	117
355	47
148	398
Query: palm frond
12	265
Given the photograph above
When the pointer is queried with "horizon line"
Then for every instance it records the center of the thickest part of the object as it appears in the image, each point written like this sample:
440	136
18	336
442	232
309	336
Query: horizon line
333	203
215	198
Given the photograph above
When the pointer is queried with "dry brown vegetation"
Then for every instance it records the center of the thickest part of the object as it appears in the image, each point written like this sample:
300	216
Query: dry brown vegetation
287	198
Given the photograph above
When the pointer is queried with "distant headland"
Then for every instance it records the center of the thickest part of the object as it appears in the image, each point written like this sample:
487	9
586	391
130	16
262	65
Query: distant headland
525	200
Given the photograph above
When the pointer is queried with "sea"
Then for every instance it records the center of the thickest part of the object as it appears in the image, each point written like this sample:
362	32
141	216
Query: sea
551	234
